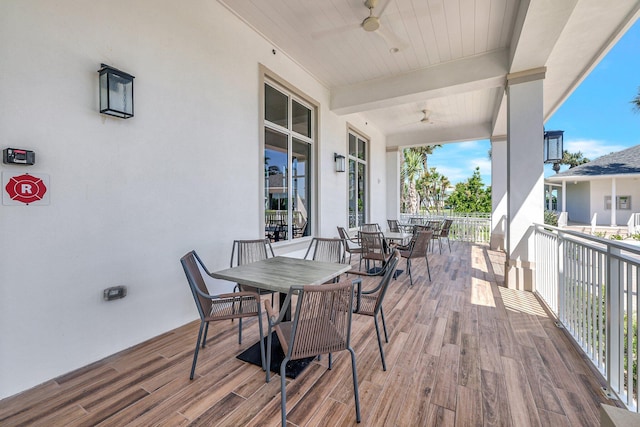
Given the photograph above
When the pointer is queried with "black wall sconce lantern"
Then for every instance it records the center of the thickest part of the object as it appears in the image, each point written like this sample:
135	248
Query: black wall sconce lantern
553	149
340	163
116	92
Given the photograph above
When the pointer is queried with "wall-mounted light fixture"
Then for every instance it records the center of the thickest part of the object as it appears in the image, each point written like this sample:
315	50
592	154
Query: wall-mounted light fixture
340	163
116	92
553	149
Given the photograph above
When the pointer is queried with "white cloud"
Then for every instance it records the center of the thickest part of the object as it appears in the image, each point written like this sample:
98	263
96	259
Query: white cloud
591	148
454	174
483	163
468	145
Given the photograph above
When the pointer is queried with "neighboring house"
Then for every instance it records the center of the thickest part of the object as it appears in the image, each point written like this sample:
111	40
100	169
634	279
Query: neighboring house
589	189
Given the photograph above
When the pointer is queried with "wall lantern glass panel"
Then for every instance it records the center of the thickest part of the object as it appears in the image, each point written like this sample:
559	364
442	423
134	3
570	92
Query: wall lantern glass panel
116	92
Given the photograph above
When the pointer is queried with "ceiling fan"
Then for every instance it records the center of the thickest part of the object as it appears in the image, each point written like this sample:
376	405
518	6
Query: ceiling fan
426	117
370	24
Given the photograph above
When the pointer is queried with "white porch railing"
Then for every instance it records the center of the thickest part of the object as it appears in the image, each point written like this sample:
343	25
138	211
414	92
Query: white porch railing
634	223
473	227
591	285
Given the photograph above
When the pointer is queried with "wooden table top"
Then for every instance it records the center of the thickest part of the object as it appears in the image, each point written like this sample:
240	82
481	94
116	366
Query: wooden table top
280	273
394	235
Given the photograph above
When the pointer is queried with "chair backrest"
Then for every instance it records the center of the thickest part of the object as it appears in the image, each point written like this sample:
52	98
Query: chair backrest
393	225
444	232
381	290
327	250
248	251
370	227
343	233
190	263
373	245
386	279
322	320
421	243
434	224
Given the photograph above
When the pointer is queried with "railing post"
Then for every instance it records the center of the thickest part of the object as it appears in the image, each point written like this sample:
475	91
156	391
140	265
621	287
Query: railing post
613	294
560	278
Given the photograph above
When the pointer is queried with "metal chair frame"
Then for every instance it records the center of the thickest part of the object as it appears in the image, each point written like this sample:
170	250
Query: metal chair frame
321	325
369	302
223	306
417	248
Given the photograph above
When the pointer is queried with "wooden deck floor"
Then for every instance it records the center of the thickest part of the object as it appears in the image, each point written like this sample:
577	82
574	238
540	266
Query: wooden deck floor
462	351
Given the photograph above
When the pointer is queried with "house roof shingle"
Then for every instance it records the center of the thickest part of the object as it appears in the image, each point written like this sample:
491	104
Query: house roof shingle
619	163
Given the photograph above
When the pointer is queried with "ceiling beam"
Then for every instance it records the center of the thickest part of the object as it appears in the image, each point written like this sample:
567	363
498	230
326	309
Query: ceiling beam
464	75
440	136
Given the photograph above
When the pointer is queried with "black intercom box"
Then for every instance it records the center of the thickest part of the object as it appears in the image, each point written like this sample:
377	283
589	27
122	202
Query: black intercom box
17	156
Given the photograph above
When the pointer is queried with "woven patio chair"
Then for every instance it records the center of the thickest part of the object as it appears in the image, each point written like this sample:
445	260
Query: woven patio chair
443	233
369	302
374	248
245	252
351	245
394	225
327	250
321	325
418	248
370	227
213	307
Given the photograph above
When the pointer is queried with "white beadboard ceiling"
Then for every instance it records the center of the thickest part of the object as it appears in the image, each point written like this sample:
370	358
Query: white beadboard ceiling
452	58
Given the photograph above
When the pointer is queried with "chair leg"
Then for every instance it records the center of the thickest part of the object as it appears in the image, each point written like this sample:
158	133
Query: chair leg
330	361
240	330
384	364
409	271
384	326
449	242
262	356
283	391
356	394
195	353
428	269
440	244
268	354
204	339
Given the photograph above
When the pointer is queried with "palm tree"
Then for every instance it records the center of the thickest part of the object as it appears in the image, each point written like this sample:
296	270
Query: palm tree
412	168
573	159
636	102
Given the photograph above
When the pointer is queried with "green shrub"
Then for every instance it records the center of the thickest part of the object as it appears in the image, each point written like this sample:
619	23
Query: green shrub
551	218
635	236
616	237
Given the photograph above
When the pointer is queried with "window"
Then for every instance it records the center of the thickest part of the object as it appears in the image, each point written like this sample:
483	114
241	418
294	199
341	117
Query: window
288	141
357	180
622	203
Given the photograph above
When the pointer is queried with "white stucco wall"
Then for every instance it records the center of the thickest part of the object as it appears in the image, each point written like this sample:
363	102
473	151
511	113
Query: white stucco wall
624	187
129	197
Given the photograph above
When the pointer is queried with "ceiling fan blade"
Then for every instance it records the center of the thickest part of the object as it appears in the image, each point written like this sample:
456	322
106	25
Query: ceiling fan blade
334	31
393	42
380	10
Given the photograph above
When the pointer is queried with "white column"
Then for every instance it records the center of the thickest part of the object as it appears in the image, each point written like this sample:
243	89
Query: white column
498	191
614	204
564	196
393	163
525	175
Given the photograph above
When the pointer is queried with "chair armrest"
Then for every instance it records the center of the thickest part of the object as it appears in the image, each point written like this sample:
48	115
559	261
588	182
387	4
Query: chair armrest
358	291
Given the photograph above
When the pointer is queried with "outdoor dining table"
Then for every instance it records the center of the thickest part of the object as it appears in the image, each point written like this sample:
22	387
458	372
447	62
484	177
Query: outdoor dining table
400	237
279	274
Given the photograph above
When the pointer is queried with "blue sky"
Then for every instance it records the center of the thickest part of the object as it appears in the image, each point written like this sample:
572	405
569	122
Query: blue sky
597	118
